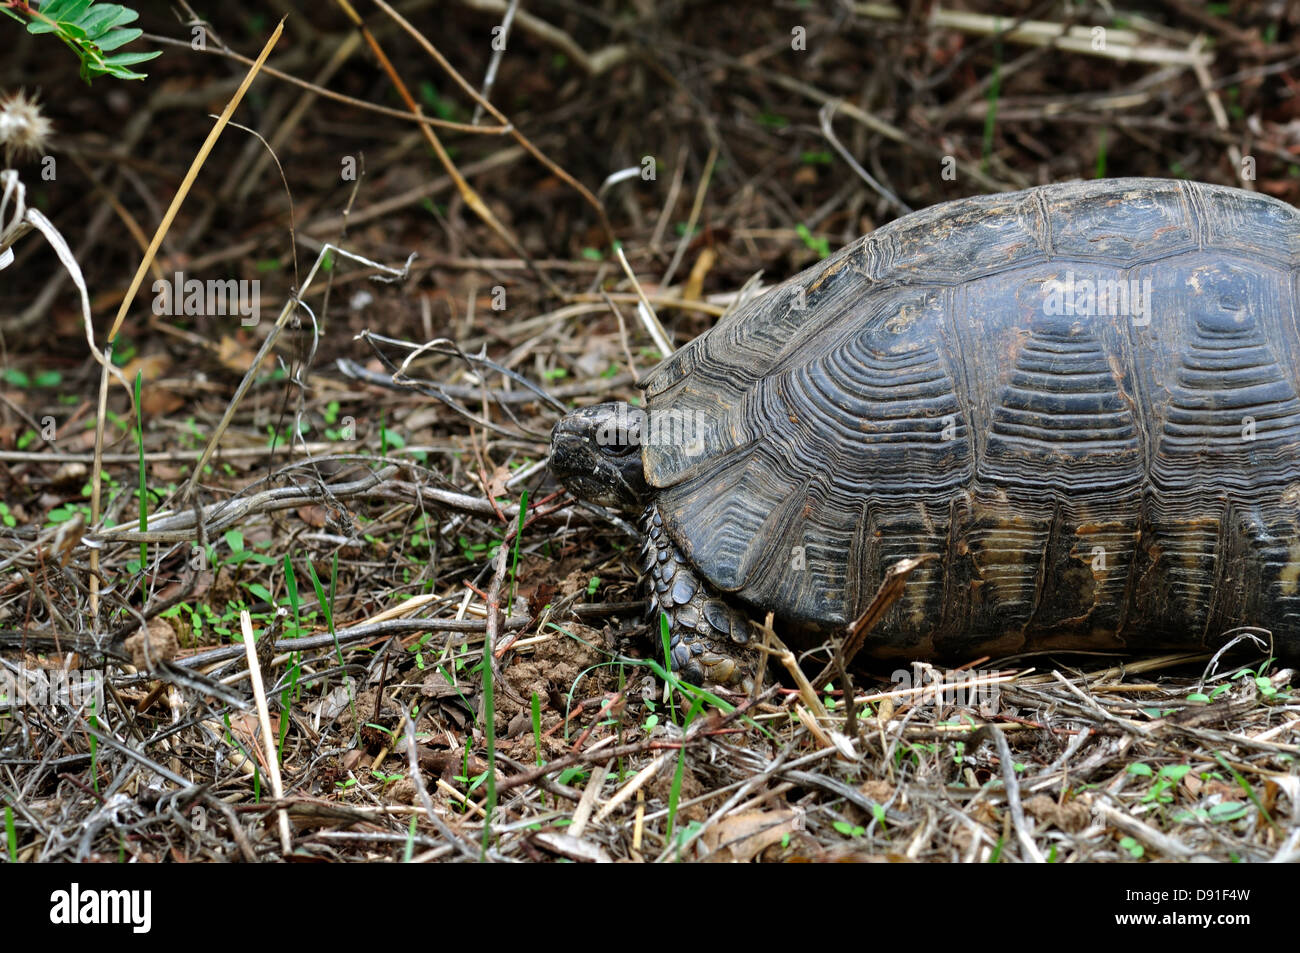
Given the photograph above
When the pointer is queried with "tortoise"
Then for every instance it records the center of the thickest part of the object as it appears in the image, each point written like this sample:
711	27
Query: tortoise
1082	397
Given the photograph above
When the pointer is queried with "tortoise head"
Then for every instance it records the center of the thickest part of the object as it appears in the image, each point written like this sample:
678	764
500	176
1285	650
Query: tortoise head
596	454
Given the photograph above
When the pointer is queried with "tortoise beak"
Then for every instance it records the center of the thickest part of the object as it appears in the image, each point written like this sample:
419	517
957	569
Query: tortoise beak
588	470
574	462
568	450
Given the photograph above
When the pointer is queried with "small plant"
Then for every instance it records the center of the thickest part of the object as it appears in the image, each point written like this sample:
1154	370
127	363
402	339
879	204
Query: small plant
1262	682
820	245
489	740
1165	781
519	532
849	830
537	726
11	835
652	719
1220	813
91	30
13	375
1212	696
568	775
143	495
675	790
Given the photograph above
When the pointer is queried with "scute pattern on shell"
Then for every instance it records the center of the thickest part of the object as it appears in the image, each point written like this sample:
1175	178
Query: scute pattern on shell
1087	479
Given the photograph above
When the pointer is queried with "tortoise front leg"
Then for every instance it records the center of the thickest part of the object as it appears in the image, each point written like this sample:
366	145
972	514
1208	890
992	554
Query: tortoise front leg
708	638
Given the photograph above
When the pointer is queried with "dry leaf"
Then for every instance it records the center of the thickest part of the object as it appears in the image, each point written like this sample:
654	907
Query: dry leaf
235	356
314	515
566	845
156	644
1071	816
159	401
740	838
496	484
150	366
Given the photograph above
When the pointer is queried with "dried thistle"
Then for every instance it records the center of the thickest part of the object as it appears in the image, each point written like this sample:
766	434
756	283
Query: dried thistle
23	128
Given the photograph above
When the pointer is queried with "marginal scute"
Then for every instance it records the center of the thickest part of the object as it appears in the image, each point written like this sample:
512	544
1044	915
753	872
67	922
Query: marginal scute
1151	219
1259	230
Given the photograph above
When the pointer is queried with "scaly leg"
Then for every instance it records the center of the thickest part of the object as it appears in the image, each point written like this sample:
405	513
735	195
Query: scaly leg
708	638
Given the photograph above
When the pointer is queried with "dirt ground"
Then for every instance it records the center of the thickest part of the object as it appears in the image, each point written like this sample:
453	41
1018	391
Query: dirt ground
372	502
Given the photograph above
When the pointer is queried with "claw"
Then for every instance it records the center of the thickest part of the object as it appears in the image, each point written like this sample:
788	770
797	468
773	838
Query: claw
721	668
681	654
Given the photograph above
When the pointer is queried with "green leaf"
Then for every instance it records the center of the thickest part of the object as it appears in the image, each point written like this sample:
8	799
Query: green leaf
130	59
104	17
91	30
257	589
847	829
61	514
1141	770
74	9
1228	811
118	38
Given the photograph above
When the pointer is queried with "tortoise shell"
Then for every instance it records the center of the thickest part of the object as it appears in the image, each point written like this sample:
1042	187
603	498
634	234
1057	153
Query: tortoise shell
1082	397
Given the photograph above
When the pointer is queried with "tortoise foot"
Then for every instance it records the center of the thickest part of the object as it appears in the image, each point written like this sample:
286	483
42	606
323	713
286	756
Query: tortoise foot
708	637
